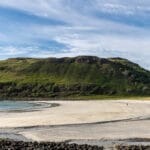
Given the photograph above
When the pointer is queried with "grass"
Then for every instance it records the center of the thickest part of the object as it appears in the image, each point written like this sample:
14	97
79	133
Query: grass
73	76
106	97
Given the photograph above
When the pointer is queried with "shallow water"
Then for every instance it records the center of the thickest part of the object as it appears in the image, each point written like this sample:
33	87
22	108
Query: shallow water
16	105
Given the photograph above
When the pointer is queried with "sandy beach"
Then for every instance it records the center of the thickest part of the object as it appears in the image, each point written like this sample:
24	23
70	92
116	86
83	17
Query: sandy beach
81	120
77	112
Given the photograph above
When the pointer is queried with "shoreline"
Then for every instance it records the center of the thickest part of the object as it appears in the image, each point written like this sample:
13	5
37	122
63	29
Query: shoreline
38	105
75	112
82	122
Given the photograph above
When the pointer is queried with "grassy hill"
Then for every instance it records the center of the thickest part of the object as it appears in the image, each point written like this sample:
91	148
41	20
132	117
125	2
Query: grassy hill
78	76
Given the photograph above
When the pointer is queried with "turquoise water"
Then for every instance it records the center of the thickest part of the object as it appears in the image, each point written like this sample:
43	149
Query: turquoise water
16	105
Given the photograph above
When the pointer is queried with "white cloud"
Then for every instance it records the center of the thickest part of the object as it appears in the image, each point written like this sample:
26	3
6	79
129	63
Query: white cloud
85	33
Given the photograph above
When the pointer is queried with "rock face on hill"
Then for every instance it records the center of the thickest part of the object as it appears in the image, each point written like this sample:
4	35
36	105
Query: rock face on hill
83	75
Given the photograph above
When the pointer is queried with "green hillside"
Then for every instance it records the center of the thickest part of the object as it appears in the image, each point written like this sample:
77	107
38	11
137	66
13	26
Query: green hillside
78	76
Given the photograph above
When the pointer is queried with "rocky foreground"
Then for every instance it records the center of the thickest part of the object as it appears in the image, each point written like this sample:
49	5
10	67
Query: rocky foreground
133	147
20	145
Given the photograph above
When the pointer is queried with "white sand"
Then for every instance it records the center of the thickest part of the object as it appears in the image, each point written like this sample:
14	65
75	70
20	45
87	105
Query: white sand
72	112
77	112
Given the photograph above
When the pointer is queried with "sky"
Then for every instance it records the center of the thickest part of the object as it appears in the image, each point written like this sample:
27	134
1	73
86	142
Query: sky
67	28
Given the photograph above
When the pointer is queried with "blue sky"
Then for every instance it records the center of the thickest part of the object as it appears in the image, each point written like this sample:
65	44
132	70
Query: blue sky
59	28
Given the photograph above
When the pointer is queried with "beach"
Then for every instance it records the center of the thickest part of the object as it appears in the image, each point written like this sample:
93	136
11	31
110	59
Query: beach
82	122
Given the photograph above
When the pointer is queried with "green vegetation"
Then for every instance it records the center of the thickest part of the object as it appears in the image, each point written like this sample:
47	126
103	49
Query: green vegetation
83	76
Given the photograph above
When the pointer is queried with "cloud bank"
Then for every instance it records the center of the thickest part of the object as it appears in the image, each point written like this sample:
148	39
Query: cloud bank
57	28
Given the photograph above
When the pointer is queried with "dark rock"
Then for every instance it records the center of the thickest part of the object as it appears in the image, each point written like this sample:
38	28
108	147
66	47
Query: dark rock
87	59
132	147
20	145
